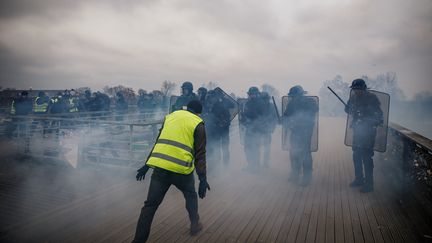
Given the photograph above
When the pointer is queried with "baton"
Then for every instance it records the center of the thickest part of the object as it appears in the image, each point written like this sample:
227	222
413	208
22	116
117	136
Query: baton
343	102
277	111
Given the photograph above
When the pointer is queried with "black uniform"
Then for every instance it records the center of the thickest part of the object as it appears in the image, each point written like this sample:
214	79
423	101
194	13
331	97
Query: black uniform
218	120
253	114
182	101
364	107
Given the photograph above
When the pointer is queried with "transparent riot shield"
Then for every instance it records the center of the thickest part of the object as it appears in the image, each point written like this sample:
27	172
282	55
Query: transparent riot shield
367	119
228	102
242	128
300	122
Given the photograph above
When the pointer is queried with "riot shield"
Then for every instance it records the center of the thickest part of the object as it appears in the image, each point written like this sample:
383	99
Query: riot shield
242	128
228	102
300	122
367	119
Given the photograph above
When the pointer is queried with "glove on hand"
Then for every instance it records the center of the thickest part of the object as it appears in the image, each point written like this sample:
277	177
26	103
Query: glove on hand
202	189
141	172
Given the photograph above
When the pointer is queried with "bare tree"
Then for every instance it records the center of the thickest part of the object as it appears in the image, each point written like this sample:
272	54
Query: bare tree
128	93
167	87
387	83
329	104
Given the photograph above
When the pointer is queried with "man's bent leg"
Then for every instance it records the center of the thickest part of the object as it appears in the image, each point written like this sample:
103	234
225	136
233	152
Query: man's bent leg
156	193
186	184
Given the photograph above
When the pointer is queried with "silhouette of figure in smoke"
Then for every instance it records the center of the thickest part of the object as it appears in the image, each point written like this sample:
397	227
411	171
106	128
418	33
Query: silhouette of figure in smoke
253	113
364	107
268	125
121	107
217	119
299	119
186	96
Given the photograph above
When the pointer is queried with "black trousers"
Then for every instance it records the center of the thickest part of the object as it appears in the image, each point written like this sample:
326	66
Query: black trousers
160	182
363	159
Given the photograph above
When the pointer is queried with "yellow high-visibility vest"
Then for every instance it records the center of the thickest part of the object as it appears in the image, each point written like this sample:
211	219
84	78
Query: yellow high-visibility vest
42	108
72	105
173	150
13	108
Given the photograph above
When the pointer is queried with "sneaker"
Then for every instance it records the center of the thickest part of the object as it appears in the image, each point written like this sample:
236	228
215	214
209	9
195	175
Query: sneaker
195	229
356	183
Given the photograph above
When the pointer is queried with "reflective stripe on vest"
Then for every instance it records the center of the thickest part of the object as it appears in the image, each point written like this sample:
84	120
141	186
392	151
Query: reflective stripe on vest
173	150
72	105
13	108
39	108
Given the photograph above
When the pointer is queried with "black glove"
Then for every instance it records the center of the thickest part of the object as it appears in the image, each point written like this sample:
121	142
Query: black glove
141	172
202	189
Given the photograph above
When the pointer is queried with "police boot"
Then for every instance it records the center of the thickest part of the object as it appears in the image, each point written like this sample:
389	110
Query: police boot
196	228
368	185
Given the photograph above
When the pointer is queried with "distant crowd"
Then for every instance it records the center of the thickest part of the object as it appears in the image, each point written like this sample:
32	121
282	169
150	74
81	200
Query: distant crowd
71	101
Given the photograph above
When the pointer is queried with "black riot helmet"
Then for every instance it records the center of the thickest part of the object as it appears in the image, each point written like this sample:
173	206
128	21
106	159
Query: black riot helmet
195	106
41	94
24	93
253	91
358	84
296	91
187	85
202	90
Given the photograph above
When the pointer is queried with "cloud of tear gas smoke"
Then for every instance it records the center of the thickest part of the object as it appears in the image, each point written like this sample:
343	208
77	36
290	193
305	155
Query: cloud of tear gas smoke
141	43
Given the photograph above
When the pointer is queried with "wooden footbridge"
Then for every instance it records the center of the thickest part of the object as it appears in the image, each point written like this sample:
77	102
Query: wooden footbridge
49	201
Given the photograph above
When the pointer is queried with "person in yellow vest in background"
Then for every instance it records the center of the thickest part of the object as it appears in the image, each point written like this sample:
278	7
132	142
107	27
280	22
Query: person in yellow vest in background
40	107
179	149
72	100
40	104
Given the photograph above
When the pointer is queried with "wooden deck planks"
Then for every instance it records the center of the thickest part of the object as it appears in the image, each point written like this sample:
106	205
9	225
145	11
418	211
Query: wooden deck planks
241	207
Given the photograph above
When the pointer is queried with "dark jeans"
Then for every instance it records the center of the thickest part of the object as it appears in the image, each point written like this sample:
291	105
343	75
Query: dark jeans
218	145
301	159
252	147
363	158
160	182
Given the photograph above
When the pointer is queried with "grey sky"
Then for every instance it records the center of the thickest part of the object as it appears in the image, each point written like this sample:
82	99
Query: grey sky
68	44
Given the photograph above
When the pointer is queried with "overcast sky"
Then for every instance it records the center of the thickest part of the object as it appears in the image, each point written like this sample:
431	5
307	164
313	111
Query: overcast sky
56	44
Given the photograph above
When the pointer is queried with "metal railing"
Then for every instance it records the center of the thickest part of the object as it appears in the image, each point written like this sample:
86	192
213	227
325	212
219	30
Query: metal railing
84	138
408	164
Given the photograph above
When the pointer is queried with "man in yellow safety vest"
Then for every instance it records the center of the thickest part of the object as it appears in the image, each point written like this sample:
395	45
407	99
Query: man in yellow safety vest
179	149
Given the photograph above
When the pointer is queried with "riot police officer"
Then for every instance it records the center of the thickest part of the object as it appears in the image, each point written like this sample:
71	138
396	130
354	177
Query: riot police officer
299	120
202	93
186	96
253	111
217	119
364	107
